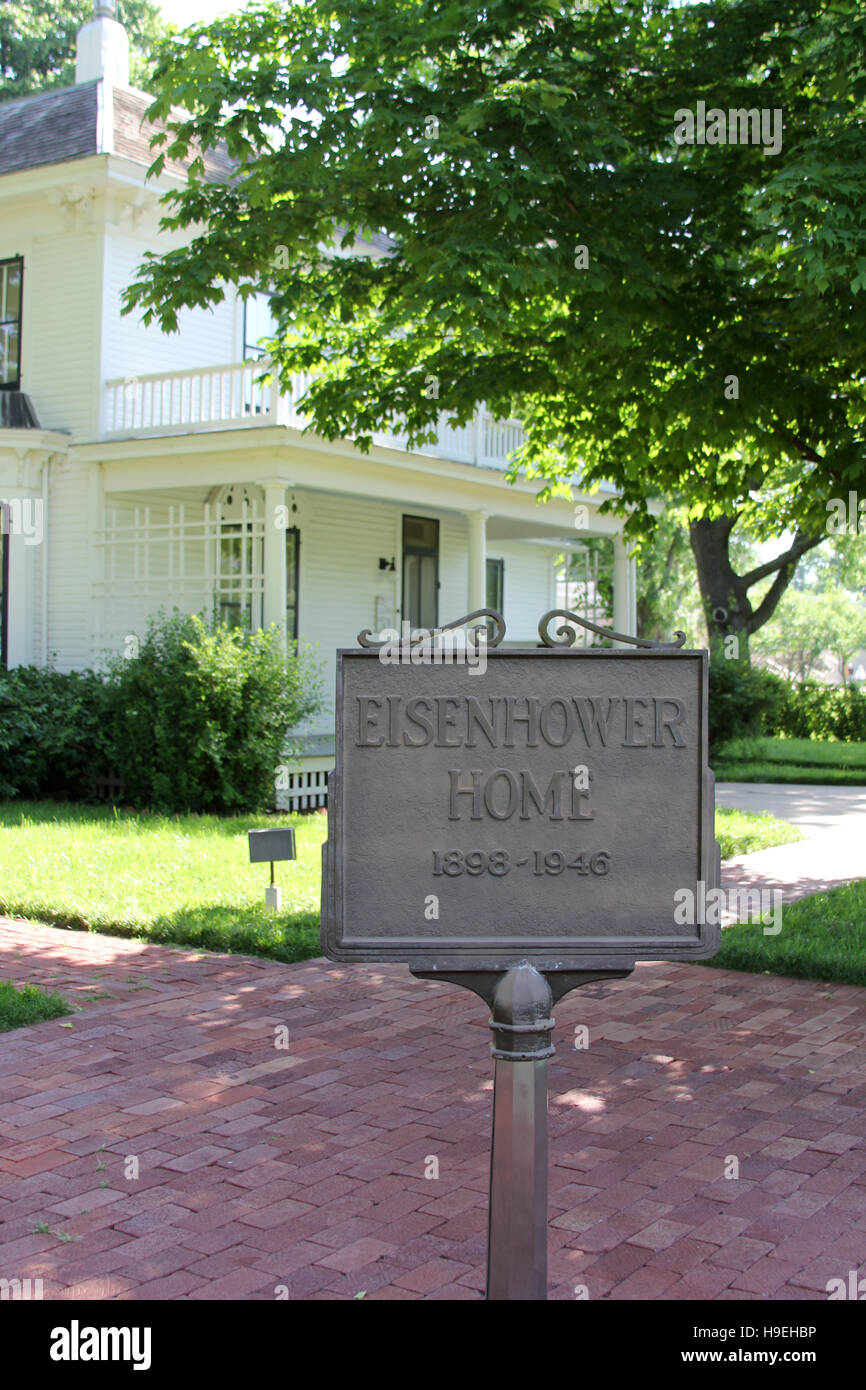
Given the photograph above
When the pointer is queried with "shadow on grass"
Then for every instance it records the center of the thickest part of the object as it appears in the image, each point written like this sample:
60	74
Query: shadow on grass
286	937
51	812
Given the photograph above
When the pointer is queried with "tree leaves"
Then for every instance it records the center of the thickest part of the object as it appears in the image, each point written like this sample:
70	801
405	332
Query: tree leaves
490	145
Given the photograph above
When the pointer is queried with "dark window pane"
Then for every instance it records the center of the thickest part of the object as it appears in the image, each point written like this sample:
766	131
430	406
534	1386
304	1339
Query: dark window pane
8	352
12	296
258	324
495	584
421	535
241	559
293	556
10	324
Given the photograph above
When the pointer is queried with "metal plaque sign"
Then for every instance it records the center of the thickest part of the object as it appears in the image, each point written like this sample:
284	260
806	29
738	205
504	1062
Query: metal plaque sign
270	845
556	805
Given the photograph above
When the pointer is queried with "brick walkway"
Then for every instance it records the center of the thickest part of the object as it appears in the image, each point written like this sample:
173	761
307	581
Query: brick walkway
261	1168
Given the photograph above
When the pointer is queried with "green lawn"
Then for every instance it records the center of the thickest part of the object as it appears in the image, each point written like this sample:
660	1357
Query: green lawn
22	1004
187	879
791	760
823	937
184	879
743	832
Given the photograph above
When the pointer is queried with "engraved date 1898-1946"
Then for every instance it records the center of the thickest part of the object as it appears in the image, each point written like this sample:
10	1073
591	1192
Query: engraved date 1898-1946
454	862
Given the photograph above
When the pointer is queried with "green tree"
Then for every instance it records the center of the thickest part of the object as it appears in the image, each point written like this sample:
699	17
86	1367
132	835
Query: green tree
667	583
839	564
37	42
797	634
807	625
847	630
684	319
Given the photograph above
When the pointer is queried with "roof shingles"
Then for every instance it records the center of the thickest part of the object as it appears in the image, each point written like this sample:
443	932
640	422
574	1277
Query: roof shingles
55	127
49	128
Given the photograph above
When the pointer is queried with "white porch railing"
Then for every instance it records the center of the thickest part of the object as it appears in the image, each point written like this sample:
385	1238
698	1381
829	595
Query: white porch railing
198	398
207	398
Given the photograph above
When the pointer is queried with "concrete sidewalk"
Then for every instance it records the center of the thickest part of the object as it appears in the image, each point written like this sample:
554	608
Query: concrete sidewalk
833	820
165	1147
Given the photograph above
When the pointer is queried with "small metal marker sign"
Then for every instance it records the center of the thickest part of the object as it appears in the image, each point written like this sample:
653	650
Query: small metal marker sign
266	846
520	825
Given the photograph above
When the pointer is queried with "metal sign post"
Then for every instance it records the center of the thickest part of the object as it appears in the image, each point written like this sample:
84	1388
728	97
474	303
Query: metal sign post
521	1022
266	846
517	1223
520	830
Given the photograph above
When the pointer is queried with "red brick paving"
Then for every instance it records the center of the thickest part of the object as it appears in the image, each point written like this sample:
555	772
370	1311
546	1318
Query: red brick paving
262	1171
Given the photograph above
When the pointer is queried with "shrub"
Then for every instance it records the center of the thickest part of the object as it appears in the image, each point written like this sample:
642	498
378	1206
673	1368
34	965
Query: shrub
54	737
200	717
744	701
822	711
198	721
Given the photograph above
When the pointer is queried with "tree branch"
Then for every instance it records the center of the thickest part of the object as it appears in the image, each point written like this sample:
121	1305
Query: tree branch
801	544
767	607
794	441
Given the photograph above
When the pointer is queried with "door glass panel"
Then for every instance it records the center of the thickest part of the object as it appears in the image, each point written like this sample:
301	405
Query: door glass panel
427	591
421	571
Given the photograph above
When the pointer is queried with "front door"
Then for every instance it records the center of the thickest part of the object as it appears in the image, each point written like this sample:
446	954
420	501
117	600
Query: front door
420	571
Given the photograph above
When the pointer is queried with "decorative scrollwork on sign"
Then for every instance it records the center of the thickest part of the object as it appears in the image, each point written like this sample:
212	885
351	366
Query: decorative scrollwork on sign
565	636
418	635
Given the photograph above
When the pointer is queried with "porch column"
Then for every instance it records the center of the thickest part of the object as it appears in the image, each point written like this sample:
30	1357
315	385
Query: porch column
624	591
274	597
476	594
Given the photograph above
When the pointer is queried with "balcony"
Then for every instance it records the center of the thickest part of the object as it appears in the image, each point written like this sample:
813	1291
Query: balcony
232	397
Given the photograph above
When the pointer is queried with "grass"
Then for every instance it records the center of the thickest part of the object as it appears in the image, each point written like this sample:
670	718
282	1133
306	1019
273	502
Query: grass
823	937
187	880
743	832
791	760
23	1004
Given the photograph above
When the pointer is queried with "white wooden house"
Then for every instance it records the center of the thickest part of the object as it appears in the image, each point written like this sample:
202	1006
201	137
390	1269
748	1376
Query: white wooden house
140	471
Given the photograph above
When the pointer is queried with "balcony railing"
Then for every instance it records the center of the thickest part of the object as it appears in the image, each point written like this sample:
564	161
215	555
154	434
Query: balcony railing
208	398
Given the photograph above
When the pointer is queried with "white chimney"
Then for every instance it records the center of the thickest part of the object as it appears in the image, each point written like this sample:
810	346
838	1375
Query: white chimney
102	48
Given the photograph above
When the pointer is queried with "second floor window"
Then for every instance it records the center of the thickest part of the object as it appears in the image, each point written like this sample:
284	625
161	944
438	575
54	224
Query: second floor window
258	324
10	324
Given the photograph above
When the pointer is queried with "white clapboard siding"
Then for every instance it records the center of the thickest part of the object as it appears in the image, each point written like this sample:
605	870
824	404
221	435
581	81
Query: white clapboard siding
453	567
342	539
70	610
132	350
61	330
528	585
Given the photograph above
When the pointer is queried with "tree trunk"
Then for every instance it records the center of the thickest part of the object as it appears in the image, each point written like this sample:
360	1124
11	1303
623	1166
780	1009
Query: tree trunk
731	619
725	600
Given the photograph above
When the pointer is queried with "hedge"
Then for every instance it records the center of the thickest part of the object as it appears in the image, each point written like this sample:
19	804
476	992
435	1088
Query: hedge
198	720
747	701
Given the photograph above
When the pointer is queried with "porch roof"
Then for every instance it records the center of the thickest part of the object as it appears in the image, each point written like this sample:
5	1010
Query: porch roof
141	470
